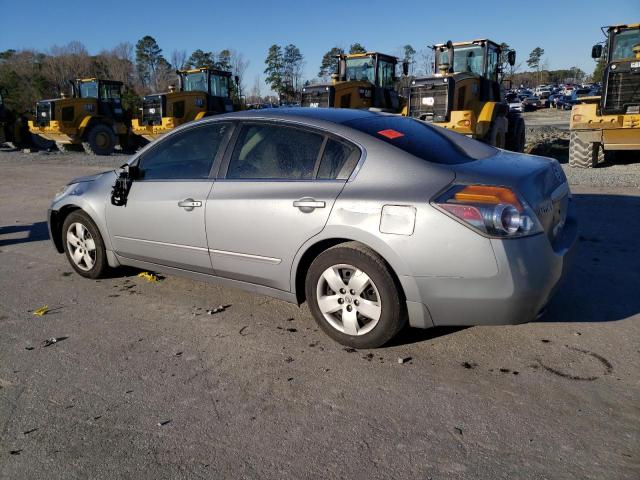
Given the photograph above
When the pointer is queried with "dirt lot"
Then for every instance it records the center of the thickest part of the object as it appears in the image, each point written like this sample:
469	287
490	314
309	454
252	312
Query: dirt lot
143	383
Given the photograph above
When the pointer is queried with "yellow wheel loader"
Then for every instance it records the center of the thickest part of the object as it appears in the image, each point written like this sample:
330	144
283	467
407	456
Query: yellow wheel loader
202	92
363	80
610	122
14	129
465	94
92	118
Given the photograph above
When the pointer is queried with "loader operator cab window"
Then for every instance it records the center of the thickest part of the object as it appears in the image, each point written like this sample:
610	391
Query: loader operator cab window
88	89
465	59
195	82
386	73
219	85
361	69
492	62
623	43
110	92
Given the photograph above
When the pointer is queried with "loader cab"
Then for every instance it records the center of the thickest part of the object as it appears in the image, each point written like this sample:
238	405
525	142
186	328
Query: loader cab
376	68
479	57
215	83
107	93
621	77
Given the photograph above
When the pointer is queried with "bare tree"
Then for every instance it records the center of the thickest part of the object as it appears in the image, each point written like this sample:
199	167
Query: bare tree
178	59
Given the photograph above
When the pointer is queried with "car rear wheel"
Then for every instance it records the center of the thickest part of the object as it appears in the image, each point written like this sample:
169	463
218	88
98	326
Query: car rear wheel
353	296
83	245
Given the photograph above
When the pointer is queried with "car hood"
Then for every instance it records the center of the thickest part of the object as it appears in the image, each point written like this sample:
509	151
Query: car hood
88	178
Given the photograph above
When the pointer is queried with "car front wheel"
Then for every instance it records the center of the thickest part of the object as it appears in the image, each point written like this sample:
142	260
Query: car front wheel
83	245
354	297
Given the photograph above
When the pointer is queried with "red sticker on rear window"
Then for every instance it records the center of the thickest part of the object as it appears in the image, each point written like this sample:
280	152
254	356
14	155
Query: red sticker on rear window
389	133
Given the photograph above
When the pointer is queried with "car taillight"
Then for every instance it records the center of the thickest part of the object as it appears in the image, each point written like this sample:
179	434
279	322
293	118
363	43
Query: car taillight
492	210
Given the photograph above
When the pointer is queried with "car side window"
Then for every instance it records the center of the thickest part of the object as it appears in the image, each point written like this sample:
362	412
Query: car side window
338	161
274	152
185	155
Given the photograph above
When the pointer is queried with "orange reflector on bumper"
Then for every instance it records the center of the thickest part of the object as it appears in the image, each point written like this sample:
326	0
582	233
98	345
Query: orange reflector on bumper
486	194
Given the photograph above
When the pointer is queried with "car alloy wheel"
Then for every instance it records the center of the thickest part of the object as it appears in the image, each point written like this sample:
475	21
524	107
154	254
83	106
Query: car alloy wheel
81	246
348	299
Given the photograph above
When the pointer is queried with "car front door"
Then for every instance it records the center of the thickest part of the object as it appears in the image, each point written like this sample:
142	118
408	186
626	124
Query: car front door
163	221
276	190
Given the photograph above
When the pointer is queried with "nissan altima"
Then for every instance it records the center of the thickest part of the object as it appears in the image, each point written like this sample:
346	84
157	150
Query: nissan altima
375	220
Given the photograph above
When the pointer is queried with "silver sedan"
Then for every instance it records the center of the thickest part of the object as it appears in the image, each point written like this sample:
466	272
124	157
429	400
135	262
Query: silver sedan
375	220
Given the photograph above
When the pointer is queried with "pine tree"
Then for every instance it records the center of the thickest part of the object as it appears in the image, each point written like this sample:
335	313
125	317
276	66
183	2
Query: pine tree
329	63
148	56
200	59
275	69
357	48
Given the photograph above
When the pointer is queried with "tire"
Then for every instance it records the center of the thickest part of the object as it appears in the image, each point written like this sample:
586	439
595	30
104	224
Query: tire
584	154
516	137
68	147
385	312
129	143
100	140
497	135
83	245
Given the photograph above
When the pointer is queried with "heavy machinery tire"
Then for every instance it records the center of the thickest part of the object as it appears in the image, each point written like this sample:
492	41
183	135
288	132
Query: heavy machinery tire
516	136
497	134
42	143
584	154
129	143
353	296
100	140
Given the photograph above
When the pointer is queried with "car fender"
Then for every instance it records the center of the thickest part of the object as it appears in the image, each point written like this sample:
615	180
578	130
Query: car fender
350	233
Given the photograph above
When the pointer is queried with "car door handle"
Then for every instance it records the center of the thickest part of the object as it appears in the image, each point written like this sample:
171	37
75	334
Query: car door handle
308	204
189	204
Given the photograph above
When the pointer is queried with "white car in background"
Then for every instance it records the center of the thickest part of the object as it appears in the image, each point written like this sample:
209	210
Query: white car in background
515	104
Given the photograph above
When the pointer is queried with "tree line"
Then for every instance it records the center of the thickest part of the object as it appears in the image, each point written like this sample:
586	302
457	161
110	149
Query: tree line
27	76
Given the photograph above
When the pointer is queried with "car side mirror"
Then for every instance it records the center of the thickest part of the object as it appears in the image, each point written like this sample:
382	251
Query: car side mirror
405	68
511	57
596	51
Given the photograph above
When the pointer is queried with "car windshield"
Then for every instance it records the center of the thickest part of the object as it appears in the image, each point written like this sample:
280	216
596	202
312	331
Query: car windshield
219	85
465	59
427	142
623	44
361	69
88	89
195	82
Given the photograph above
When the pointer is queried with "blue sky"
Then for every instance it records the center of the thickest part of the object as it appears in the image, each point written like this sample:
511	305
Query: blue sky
566	33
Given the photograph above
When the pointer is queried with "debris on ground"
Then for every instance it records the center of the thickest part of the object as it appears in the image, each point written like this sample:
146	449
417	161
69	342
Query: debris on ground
404	359
218	309
41	311
51	341
242	330
469	365
149	277
349	349
163	423
459	430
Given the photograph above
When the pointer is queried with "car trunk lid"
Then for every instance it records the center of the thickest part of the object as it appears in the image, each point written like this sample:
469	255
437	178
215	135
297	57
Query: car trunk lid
539	181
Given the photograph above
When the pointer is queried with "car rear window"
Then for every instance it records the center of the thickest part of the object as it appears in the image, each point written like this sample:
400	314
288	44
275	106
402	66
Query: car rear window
434	144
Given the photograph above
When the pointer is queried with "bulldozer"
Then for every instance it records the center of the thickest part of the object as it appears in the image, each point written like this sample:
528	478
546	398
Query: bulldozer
93	118
14	129
465	94
202	92
610	122
363	80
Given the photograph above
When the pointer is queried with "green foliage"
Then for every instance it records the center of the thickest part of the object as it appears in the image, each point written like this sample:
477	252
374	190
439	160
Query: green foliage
284	70
535	57
200	59
357	48
598	71
148	56
274	69
329	62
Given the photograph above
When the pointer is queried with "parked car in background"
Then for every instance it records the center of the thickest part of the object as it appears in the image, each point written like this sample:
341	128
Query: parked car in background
532	102
375	220
515	104
553	98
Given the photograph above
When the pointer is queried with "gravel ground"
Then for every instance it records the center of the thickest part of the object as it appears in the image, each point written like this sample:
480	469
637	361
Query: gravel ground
142	383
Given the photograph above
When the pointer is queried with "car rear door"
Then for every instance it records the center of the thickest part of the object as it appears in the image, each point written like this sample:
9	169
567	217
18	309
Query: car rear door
276	190
163	220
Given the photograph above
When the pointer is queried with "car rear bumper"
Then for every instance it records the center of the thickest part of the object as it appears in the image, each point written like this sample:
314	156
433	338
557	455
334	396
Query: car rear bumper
529	272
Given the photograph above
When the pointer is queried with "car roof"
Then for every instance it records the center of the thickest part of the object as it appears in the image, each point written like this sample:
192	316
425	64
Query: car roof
333	115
